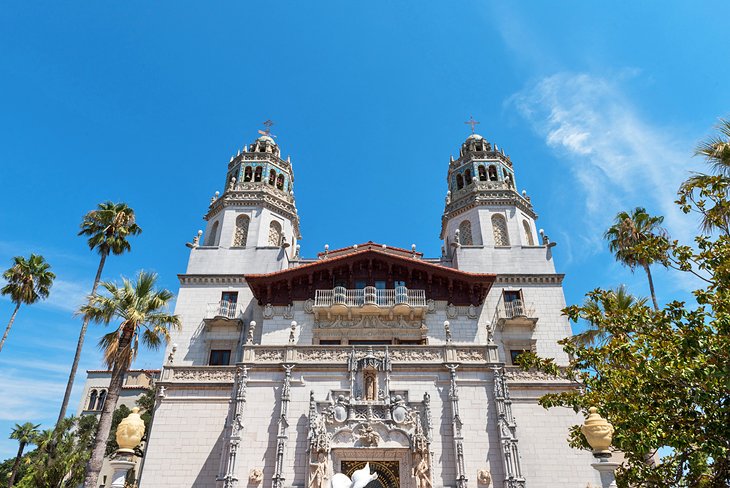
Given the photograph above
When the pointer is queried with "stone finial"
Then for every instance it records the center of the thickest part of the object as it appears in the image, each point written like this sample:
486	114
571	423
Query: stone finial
130	432
598	432
447	331
292	331
448	197
215	197
298	250
457	238
232	184
251	330
196	240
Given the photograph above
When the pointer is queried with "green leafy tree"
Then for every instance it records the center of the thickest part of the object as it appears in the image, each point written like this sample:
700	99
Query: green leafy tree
25	434
627	239
142	310
663	378
61	455
108	228
28	281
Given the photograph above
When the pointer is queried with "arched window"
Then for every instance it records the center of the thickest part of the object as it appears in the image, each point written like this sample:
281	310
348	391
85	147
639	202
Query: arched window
102	399
482	173
492	173
459	182
467	177
528	233
212	239
247	174
257	174
92	400
465	236
274	233
241	233
499	227
280	182
272	177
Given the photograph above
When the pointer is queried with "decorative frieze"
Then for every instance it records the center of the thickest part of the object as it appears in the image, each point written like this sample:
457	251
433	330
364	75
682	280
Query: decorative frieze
199	374
527	279
190	279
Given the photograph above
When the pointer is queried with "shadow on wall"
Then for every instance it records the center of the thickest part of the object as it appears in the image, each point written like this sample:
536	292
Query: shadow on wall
209	471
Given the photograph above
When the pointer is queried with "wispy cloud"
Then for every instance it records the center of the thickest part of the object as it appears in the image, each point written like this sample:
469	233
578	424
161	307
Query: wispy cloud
619	159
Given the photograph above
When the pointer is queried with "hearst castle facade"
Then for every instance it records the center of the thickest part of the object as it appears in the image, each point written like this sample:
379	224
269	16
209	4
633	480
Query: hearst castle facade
289	369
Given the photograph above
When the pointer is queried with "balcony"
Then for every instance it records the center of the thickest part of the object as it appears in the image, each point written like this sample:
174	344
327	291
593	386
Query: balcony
515	312
370	301
223	312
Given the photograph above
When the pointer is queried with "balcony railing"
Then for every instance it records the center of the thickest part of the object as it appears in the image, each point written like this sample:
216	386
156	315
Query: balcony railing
223	310
370	301
370	296
516	312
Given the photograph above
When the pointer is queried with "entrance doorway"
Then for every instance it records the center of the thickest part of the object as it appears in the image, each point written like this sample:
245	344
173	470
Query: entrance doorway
388	472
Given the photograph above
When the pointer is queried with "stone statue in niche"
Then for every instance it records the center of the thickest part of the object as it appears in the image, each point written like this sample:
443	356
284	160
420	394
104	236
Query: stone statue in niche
319	472
371	390
422	471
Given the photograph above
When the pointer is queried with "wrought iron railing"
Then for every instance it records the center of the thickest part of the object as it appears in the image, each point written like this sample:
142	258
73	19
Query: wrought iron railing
223	309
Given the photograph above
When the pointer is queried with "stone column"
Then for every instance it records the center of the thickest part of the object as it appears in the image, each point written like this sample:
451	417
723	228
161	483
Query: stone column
121	465
283	431
513	477
235	424
456	424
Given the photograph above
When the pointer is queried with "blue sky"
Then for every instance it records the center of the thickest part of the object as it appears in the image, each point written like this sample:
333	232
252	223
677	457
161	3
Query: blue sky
598	104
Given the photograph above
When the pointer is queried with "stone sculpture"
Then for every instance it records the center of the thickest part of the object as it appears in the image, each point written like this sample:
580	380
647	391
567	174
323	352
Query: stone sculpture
360	478
319	472
422	472
256	475
369	437
484	477
598	431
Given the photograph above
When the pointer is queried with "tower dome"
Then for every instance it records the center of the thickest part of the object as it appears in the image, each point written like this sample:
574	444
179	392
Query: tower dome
265	144
475	143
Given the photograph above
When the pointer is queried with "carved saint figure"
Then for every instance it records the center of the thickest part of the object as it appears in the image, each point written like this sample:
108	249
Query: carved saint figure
319	472
370	390
422	472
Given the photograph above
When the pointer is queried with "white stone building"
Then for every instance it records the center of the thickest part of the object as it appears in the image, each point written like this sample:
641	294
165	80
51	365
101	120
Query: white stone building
290	369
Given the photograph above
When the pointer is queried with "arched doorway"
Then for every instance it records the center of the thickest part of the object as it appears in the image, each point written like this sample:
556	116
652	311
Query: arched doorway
388	472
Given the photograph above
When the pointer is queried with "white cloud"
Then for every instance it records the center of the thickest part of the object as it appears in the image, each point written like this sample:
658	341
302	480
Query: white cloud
619	159
67	295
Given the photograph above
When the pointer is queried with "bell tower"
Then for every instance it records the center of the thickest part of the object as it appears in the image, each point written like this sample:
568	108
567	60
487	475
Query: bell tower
486	220
252	226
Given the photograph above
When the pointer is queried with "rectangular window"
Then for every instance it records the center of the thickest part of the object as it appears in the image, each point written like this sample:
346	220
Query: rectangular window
229	296
359	284
380	285
398	283
330	342
220	357
512	295
515	353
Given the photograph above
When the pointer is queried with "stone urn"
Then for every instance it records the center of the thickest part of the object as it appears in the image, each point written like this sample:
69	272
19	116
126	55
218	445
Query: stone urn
130	431
598	432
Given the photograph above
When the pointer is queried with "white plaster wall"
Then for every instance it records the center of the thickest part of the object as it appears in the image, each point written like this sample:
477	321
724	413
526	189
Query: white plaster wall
516	259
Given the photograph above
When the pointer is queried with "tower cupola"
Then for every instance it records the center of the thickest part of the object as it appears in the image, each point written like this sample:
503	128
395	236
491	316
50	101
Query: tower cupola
483	206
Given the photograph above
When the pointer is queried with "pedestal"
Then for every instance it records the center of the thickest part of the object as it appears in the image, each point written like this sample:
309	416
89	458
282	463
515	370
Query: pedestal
606	470
121	463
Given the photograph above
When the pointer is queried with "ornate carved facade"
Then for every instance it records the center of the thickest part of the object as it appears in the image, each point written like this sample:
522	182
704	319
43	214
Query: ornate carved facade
370	356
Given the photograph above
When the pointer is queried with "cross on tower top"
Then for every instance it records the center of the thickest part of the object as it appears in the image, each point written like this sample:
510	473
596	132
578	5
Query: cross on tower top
472	123
267	132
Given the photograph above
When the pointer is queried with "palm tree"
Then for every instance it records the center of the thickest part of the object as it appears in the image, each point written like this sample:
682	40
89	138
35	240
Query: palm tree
108	228
628	238
29	280
142	311
616	302
712	188
25	434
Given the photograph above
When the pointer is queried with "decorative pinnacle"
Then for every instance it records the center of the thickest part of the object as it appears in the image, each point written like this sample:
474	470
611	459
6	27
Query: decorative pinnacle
472	123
